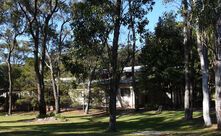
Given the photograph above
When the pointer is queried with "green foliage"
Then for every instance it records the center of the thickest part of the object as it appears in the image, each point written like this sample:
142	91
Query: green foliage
207	12
75	96
90	26
163	57
66	101
3	77
98	96
51	114
91	31
58	117
27	101
61	118
138	10
28	76
2	100
76	67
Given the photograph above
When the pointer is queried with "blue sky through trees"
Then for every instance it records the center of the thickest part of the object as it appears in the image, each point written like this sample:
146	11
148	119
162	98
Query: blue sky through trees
158	10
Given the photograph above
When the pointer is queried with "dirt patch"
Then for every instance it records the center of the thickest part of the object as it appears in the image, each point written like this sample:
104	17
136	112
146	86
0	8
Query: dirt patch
152	133
93	112
48	119
44	120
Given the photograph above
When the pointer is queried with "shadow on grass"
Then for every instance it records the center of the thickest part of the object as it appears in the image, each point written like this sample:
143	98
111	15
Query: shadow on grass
36	133
94	126
58	129
17	121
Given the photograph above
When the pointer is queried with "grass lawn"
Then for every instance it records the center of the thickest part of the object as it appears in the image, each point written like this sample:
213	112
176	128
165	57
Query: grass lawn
143	123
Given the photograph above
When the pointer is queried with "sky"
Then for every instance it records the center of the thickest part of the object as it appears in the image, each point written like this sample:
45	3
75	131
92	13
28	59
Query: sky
158	10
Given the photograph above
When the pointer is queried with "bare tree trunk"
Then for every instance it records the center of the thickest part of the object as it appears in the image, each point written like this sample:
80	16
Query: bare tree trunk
61	39
58	90
39	28
40	81
192	85
57	102
133	58
54	84
41	100
88	96
10	83
187	95
40	67
119	98
114	65
55	91
112	107
11	47
106	99
218	73
91	75
218	93
58	81
203	54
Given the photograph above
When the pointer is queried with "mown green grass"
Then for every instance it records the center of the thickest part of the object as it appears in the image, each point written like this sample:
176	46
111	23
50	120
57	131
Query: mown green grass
168	123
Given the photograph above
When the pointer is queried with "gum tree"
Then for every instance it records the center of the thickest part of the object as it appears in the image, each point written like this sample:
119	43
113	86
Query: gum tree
38	14
12	27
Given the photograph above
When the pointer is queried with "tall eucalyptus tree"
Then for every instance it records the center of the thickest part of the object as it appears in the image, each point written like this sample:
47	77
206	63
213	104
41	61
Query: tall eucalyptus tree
208	23
38	14
187	49
137	21
91	31
217	32
116	15
203	55
59	33
13	27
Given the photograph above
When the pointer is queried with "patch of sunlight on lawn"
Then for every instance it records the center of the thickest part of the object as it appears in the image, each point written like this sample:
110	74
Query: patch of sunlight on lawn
79	124
16	119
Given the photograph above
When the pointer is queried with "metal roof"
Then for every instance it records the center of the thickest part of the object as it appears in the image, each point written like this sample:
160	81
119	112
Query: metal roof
136	69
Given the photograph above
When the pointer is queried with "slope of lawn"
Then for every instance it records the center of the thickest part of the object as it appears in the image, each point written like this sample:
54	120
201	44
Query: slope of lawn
76	123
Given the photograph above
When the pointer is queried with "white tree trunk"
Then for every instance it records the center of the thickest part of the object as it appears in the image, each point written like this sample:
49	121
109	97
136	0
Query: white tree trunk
88	96
203	55
218	93
218	73
119	98
54	85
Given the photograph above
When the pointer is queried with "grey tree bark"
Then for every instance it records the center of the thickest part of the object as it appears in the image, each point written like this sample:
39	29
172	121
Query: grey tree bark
89	85
203	55
11	47
61	40
186	43
54	85
133	57
88	97
10	82
218	73
39	32
114	64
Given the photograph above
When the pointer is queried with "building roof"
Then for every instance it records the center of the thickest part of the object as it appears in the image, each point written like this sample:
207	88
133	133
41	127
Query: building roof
136	69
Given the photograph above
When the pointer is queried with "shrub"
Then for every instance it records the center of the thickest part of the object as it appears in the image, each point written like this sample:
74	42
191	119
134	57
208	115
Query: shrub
26	104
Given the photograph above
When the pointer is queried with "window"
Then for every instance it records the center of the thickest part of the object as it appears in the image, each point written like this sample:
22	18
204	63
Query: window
125	92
